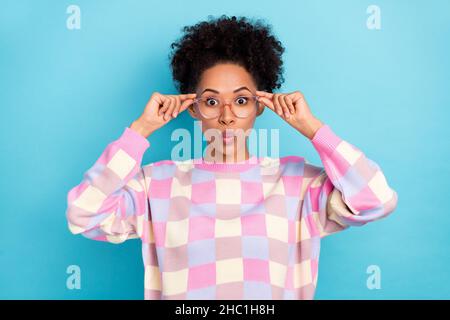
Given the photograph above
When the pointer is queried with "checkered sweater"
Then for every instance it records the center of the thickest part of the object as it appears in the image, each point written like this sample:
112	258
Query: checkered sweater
247	230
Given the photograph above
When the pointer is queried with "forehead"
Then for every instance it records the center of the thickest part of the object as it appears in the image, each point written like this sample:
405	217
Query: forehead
226	78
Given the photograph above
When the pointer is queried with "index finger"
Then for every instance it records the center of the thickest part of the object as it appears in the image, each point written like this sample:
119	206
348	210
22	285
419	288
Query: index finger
264	94
185	104
187	96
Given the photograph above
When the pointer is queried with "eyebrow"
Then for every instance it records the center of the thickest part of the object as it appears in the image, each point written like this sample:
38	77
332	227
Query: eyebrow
215	91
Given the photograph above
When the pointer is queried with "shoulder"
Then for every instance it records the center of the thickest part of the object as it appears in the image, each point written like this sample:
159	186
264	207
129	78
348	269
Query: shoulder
300	165
292	165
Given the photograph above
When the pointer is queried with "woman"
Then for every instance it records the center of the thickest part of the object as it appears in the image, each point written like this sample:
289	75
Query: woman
228	225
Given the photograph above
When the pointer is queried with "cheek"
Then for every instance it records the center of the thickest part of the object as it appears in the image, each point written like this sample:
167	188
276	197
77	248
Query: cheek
209	128
248	123
209	124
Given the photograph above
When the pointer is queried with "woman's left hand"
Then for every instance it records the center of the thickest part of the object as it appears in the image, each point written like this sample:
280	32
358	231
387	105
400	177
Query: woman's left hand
294	109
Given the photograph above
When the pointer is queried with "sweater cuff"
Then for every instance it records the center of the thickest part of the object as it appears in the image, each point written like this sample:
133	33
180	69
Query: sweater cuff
325	140
133	143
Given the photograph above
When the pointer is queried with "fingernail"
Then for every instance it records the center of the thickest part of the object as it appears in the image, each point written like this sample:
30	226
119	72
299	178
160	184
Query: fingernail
175	114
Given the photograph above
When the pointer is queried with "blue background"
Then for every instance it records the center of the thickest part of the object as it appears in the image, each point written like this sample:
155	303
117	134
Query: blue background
65	94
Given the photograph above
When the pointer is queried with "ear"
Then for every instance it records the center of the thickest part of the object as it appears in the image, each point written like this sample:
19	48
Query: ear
192	112
260	110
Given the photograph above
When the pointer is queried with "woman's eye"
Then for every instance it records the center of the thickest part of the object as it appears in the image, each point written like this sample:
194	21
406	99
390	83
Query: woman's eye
241	100
208	102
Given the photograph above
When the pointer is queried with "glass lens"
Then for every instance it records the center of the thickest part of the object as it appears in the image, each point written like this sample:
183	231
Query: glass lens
242	106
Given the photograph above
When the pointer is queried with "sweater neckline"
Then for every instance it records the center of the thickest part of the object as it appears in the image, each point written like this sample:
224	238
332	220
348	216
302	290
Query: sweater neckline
251	162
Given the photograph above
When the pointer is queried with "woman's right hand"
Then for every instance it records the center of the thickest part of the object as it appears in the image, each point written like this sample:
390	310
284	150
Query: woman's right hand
160	109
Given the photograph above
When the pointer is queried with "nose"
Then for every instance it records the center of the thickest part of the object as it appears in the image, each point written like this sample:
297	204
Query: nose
226	118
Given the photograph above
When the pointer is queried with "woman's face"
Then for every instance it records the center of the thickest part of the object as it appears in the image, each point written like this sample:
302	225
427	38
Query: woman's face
227	81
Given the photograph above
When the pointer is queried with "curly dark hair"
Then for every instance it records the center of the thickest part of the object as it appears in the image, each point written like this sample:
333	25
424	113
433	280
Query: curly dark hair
227	39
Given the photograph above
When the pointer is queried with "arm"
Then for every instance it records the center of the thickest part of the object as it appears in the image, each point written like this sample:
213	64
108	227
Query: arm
110	203
350	190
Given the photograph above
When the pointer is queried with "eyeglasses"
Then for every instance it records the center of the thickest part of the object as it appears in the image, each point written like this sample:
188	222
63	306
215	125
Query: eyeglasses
211	107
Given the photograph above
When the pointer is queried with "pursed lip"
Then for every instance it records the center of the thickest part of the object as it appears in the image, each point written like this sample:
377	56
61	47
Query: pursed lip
228	133
228	137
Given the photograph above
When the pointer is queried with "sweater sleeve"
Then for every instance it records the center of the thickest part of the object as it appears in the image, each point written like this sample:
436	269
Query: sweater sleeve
110	202
349	190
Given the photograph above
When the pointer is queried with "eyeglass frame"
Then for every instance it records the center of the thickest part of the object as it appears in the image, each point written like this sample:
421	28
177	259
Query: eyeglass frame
196	100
